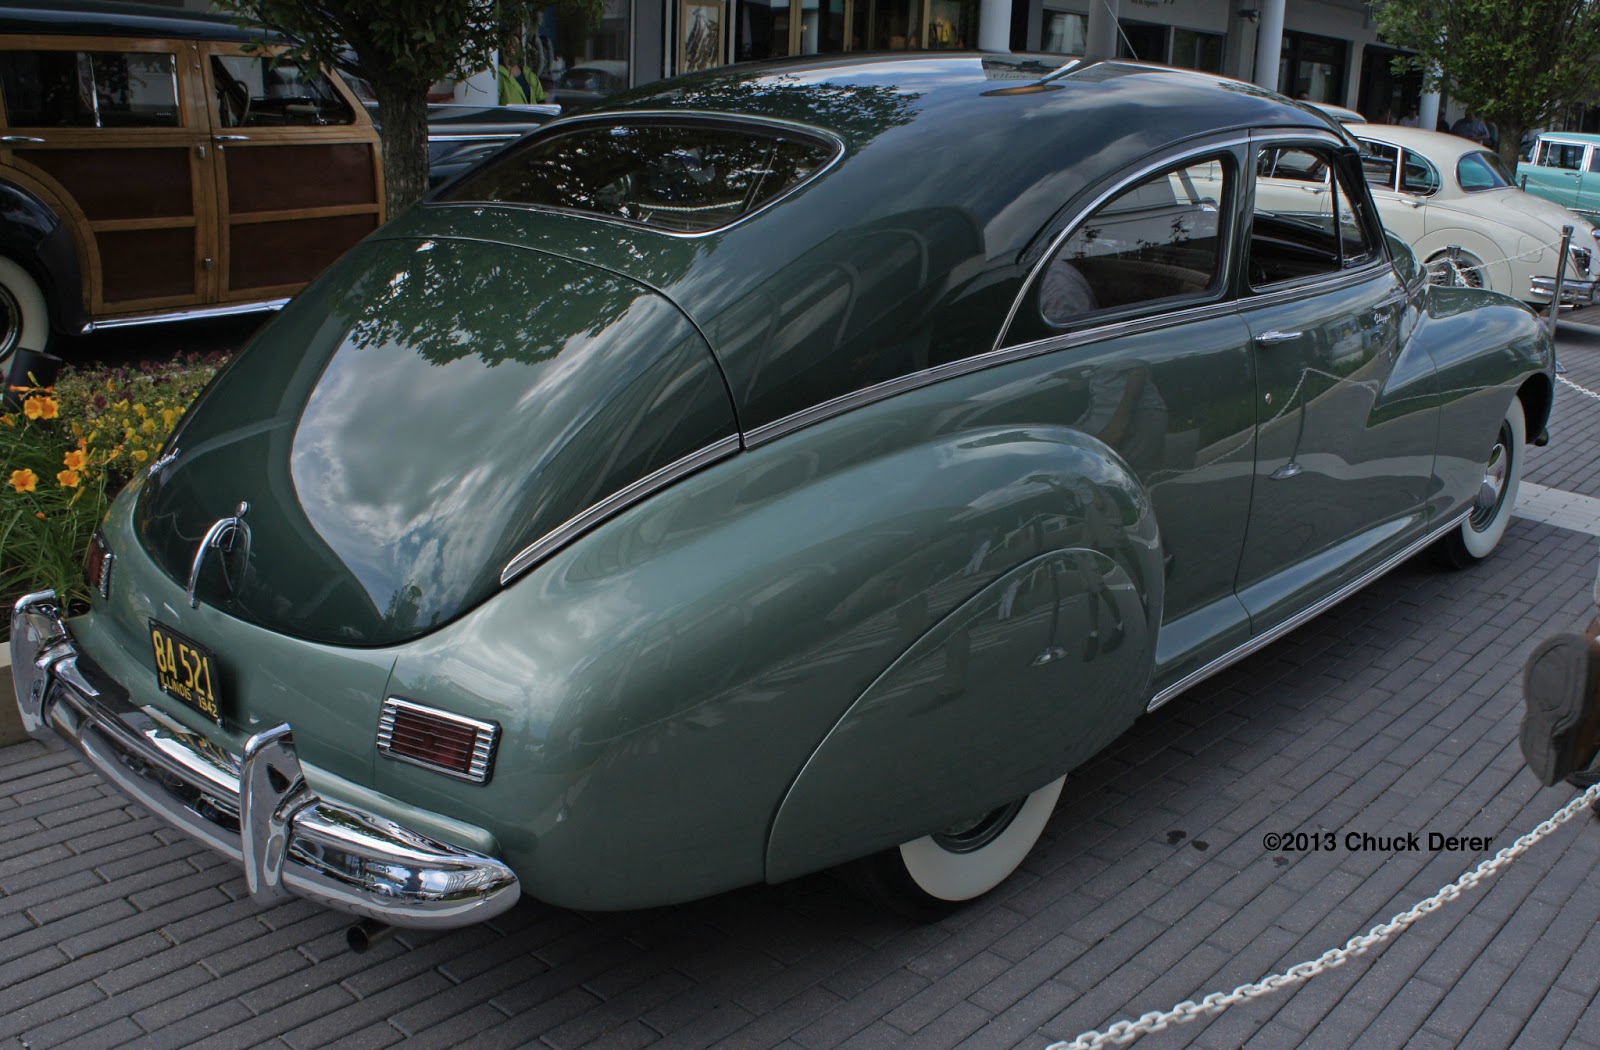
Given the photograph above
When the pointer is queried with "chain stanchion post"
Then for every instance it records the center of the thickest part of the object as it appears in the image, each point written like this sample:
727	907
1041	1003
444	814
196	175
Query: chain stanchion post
1561	274
1455	266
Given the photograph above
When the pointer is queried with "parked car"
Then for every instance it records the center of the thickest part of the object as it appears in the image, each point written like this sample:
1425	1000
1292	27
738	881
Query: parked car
1339	113
154	167
459	136
693	496
589	83
1454	203
1564	167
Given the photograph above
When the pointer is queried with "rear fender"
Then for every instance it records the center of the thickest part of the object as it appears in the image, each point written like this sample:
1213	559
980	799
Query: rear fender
1024	681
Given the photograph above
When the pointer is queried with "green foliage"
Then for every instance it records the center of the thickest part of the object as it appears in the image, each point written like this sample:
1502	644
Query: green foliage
1516	64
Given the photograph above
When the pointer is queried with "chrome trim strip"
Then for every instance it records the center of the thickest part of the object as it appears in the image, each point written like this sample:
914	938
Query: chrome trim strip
994	358
681	116
614	504
485	739
486	136
1260	641
196	314
256	810
1170	160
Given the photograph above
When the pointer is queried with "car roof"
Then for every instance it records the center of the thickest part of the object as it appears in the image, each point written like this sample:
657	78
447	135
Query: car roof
1584	137
102	18
1436	145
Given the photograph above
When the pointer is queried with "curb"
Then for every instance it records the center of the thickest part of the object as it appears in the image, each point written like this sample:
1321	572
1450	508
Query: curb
11	731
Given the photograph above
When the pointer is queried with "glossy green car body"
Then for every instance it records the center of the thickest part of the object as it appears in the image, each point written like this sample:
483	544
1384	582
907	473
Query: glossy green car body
887	553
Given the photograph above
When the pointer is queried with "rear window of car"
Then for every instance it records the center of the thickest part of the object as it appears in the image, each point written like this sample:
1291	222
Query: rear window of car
1482	171
678	176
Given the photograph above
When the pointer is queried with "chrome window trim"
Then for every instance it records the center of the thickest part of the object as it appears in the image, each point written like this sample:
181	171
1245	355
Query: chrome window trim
485	738
1277	631
1171	160
681	116
485	137
615	504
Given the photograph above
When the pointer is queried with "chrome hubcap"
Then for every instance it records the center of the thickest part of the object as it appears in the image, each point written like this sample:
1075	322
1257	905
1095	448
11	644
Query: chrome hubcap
1493	489
10	322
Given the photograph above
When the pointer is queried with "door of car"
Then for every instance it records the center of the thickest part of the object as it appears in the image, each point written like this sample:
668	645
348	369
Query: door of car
112	132
1344	430
297	174
1132	300
1391	176
1557	170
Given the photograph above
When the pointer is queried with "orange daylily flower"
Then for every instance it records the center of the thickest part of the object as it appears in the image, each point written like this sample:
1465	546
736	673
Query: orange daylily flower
41	407
68	479
24	480
76	459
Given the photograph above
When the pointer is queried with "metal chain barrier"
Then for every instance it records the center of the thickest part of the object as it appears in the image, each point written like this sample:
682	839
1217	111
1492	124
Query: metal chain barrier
1458	270
1585	391
1159	1020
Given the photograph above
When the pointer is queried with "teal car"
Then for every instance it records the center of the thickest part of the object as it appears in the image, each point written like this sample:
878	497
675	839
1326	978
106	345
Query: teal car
787	466
1564	167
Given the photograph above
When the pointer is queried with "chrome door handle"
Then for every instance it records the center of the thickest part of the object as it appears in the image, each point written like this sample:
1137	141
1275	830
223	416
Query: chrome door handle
1276	336
20	138
230	138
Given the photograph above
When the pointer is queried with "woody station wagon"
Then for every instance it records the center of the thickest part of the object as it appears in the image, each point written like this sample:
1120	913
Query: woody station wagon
154	167
785	466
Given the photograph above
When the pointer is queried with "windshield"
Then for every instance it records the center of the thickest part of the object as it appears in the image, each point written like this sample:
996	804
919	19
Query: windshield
679	176
1482	171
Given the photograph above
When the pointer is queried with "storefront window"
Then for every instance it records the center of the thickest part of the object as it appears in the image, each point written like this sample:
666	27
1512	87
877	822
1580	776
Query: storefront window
887	25
1193	49
1313	68
1064	32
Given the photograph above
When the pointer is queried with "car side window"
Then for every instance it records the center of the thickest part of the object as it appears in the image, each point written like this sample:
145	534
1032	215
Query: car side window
254	91
1565	155
1158	241
90	89
1303	232
1594	160
1378	164
1418	176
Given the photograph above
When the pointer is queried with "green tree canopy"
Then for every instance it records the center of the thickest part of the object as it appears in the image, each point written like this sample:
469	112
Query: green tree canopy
1517	63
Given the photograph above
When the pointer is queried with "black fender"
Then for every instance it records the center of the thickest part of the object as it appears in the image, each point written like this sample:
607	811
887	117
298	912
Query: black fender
34	237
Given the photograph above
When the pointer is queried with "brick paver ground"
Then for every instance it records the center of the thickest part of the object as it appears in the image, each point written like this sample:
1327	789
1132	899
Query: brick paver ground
1395	713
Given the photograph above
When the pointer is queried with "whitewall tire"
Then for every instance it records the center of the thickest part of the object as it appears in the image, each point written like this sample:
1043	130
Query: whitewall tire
1492	508
941	871
24	317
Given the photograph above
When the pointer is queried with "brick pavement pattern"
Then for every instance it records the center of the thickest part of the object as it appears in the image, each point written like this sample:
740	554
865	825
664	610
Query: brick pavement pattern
1396	712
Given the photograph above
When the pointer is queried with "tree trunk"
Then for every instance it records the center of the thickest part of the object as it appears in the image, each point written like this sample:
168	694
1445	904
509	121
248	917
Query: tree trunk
1511	142
403	111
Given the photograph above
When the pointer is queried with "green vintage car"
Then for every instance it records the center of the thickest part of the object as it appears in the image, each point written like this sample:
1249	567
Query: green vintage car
785	466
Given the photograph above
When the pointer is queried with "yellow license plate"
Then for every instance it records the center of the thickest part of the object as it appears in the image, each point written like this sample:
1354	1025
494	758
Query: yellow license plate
187	670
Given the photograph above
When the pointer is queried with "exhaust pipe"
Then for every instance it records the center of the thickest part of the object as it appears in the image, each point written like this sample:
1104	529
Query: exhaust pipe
365	934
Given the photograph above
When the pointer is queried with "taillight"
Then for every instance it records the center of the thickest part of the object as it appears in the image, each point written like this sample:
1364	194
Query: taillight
97	565
439	740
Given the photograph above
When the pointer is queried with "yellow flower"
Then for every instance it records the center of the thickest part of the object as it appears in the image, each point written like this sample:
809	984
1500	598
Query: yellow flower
168	417
8	421
24	480
68	479
76	459
140	411
140	455
148	426
40	407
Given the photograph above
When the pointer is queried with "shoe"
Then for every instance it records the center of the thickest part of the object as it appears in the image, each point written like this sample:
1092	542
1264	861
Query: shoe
1561	718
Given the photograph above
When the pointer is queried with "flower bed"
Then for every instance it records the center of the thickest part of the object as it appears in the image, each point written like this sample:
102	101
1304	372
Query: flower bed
67	452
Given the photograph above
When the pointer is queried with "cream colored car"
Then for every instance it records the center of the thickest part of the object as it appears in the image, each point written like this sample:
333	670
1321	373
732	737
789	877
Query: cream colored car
1455	203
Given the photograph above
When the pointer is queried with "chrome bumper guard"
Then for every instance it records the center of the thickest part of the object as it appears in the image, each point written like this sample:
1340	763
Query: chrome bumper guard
256	808
1573	292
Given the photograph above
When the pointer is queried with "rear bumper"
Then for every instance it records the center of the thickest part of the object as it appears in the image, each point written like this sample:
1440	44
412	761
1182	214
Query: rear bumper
254	808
